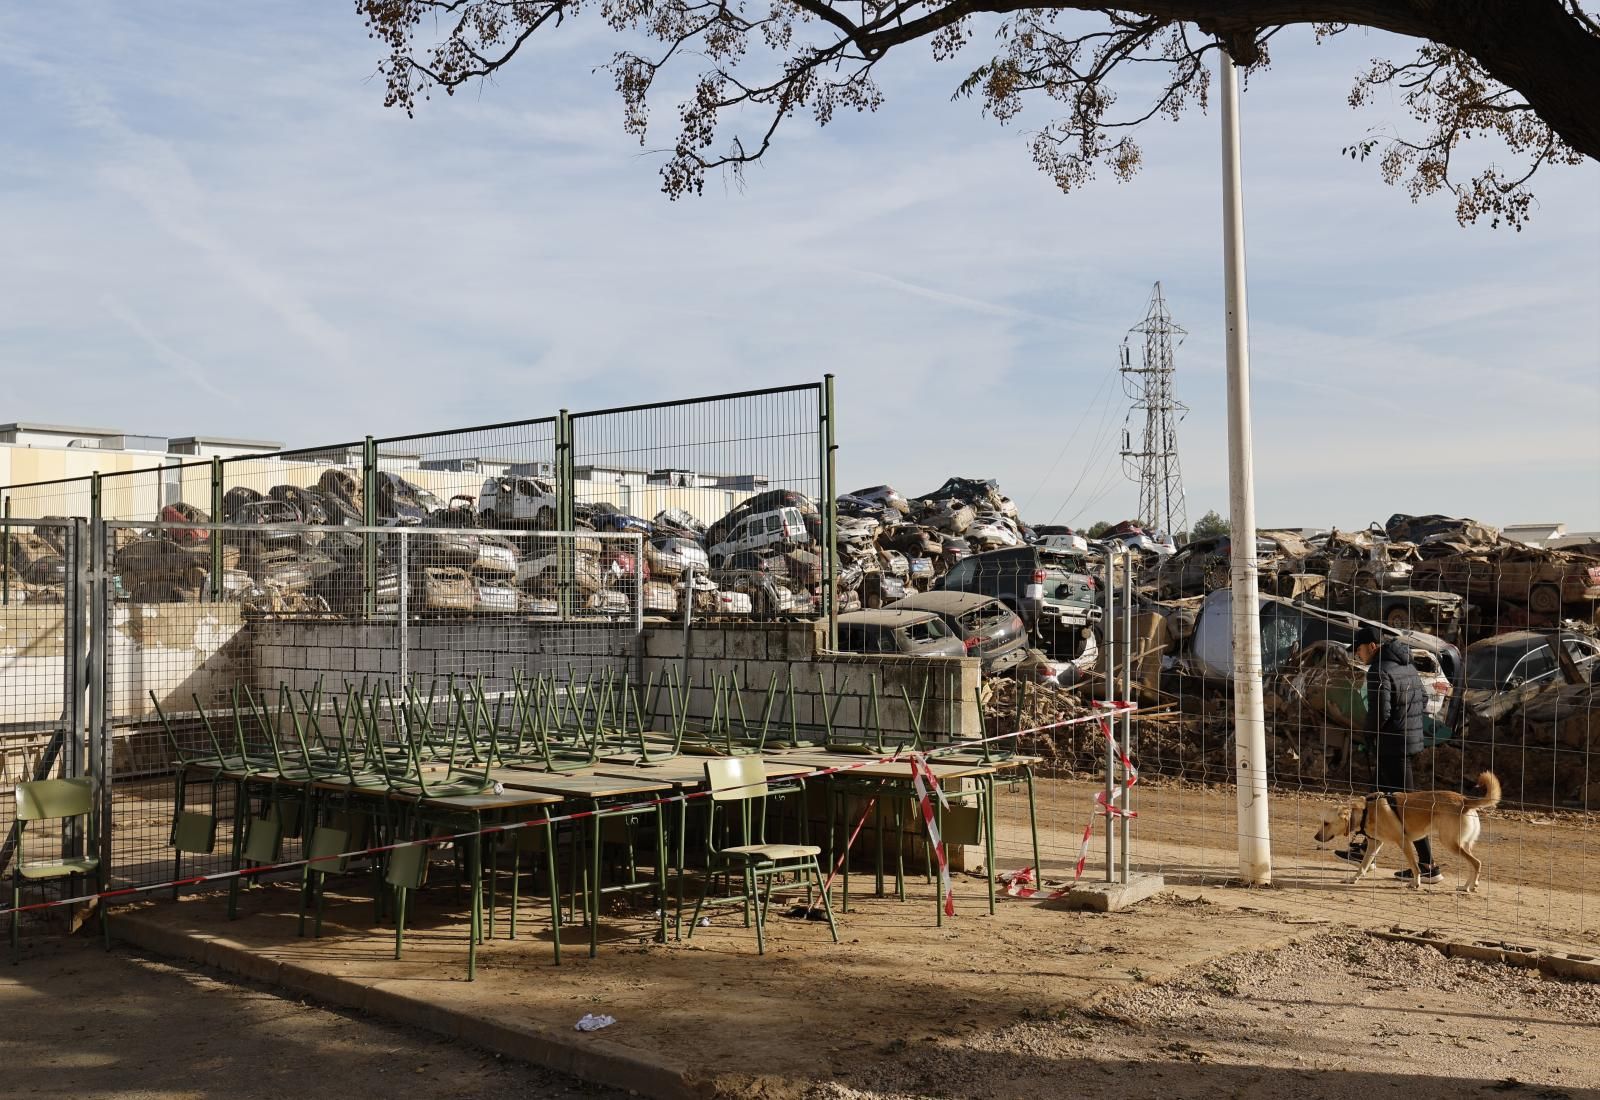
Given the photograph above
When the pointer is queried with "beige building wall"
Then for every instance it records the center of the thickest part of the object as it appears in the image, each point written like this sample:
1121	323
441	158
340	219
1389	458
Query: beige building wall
140	496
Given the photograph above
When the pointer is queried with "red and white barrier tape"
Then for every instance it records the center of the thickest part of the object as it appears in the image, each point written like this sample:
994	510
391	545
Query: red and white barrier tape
1026	882
920	770
899	756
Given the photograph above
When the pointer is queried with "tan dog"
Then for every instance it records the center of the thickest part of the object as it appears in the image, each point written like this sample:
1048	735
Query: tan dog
1453	818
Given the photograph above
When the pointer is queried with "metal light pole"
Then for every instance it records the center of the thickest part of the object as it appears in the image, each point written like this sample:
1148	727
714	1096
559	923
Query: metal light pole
1250	727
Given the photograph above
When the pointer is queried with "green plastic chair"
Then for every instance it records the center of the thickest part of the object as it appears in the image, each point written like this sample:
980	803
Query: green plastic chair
66	801
741	782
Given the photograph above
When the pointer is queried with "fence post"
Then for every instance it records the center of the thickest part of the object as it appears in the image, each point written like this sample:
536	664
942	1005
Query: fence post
404	607
1125	822
567	517
99	671
369	518
1109	648
638	614
216	535
5	554
76	671
830	512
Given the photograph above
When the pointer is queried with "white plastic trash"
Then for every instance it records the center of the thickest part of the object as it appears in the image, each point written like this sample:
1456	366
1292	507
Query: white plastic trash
591	1022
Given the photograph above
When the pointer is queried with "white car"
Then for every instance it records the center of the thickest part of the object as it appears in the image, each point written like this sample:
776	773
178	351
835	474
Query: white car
886	496
508	500
992	531
779	529
1070	543
672	557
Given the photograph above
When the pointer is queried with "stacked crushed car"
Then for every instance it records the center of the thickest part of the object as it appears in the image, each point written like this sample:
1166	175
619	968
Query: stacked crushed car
1502	633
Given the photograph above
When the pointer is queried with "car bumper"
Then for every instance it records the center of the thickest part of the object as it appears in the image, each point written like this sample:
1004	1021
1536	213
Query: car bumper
1070	616
1010	659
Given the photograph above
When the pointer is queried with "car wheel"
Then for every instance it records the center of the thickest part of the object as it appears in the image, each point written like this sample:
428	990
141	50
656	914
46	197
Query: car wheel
1545	599
1397	618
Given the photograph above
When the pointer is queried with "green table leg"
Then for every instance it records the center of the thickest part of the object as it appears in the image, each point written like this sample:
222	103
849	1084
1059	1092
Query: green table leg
516	887
240	814
877	825
1033	824
494	878
683	859
594	891
399	919
661	873
845	798
899	852
555	883
986	793
474	854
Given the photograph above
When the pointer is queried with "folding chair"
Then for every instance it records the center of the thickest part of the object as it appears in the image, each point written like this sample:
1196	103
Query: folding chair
741	781
67	801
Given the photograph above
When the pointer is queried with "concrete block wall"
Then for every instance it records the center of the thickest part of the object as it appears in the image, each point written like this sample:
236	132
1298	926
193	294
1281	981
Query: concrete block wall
300	652
943	689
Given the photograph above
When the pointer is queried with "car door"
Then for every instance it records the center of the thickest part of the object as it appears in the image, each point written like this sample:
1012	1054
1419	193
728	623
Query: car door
1538	665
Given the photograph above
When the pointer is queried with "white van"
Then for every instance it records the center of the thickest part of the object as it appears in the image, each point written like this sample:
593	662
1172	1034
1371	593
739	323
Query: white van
779	529
514	500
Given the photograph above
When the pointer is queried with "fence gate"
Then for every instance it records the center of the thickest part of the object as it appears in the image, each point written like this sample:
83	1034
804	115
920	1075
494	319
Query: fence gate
43	656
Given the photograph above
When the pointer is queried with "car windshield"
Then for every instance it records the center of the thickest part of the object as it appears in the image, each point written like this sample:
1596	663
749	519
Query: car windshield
1488	668
414	494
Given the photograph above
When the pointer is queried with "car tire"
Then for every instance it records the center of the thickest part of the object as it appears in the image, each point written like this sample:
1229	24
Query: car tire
1397	618
1545	599
545	519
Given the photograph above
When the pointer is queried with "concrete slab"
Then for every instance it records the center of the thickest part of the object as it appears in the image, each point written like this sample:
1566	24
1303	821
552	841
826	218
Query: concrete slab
1113	897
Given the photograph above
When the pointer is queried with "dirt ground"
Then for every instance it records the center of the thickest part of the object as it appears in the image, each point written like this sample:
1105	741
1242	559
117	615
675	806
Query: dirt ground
82	1024
1339	1015
1342	1016
998	1005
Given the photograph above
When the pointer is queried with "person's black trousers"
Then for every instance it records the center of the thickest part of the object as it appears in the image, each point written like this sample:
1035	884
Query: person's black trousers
1394	774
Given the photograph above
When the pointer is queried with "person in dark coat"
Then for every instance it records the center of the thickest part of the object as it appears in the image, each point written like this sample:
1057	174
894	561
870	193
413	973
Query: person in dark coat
1396	705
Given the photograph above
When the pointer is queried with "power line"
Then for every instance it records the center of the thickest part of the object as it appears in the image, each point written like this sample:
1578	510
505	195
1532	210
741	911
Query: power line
1087	409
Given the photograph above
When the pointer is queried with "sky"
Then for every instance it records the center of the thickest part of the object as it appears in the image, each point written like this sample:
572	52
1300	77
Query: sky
212	225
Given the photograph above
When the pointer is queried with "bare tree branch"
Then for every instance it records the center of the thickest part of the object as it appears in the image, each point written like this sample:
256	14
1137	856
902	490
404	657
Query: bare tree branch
1523	73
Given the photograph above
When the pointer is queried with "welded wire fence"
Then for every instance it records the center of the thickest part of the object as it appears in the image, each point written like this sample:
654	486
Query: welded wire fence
953	619
734	489
43	644
1502	639
257	663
